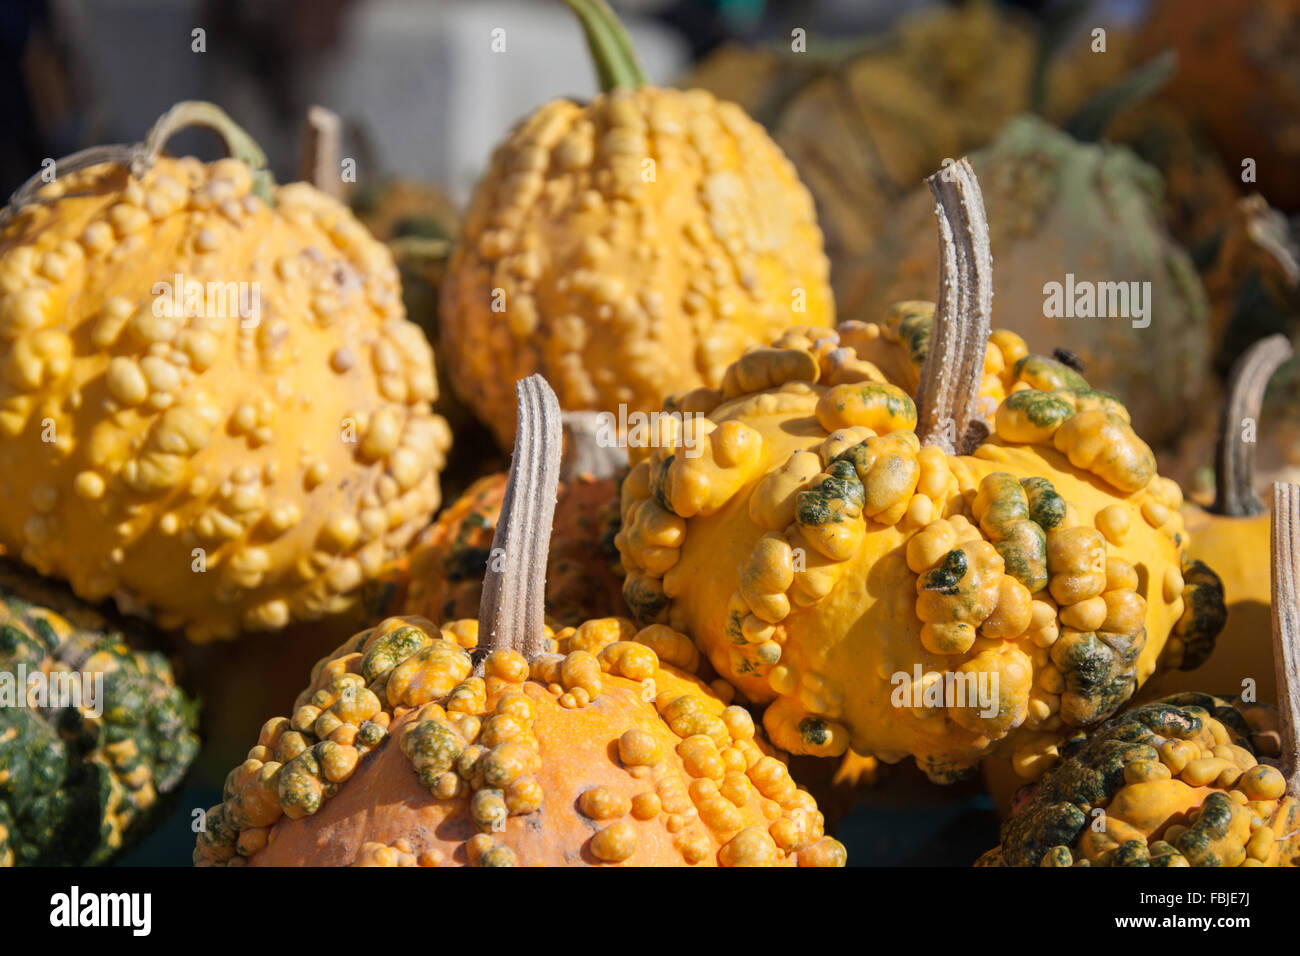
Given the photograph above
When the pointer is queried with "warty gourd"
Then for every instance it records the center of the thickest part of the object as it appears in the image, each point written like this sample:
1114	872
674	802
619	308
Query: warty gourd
212	405
1190	780
834	549
626	248
498	742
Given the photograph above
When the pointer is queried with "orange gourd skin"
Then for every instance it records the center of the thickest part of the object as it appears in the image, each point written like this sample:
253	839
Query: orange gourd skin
1183	781
160	441
603	753
817	554
627	249
441	577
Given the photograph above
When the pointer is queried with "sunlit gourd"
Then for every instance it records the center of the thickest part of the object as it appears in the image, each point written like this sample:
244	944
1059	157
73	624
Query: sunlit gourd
1189	780
626	248
853	558
498	742
212	405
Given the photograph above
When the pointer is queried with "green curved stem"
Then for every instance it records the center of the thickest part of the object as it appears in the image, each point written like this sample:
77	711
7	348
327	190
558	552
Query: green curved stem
611	49
238	143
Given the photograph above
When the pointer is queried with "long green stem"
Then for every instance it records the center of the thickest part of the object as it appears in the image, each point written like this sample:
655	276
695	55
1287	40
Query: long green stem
611	49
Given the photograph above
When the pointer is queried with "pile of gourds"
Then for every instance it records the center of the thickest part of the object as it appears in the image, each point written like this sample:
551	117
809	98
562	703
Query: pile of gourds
731	531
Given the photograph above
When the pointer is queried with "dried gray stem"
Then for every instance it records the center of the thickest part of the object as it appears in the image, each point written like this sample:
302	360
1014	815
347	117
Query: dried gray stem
954	361
512	611
1286	625
1234	459
320	151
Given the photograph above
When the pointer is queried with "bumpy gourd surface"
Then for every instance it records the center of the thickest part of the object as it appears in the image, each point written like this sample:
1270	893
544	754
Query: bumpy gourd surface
1177	782
298	453
627	249
75	788
442	576
604	752
816	551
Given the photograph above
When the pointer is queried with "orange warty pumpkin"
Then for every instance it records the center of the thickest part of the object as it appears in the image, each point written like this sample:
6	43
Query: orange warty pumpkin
415	745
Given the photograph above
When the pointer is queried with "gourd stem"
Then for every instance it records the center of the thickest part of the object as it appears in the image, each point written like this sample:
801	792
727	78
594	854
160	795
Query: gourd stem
320	150
1286	625
189	113
584	454
24	195
512	611
954	361
140	157
1234	457
611	49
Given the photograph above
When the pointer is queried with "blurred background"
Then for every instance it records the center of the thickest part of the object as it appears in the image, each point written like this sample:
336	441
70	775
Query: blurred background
1155	141
80	72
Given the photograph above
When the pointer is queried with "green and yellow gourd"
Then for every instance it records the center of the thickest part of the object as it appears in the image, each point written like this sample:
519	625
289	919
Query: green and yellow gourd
627	248
1189	780
82	779
212	405
829	544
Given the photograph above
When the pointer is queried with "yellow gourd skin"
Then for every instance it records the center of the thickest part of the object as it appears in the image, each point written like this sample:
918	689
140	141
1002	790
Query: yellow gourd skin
820	556
626	250
229	472
605	752
1238	547
1176	782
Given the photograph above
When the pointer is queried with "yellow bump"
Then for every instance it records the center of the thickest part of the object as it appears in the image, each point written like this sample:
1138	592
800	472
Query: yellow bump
615	843
88	485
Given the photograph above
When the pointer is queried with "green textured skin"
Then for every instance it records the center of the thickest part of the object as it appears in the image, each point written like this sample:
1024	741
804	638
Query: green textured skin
838	495
1043	409
1205	616
1046	507
1098	670
63	801
1047	373
1018	539
1050	822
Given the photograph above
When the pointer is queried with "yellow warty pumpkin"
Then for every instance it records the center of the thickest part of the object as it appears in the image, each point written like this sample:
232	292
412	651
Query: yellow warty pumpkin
832	555
627	248
230	470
